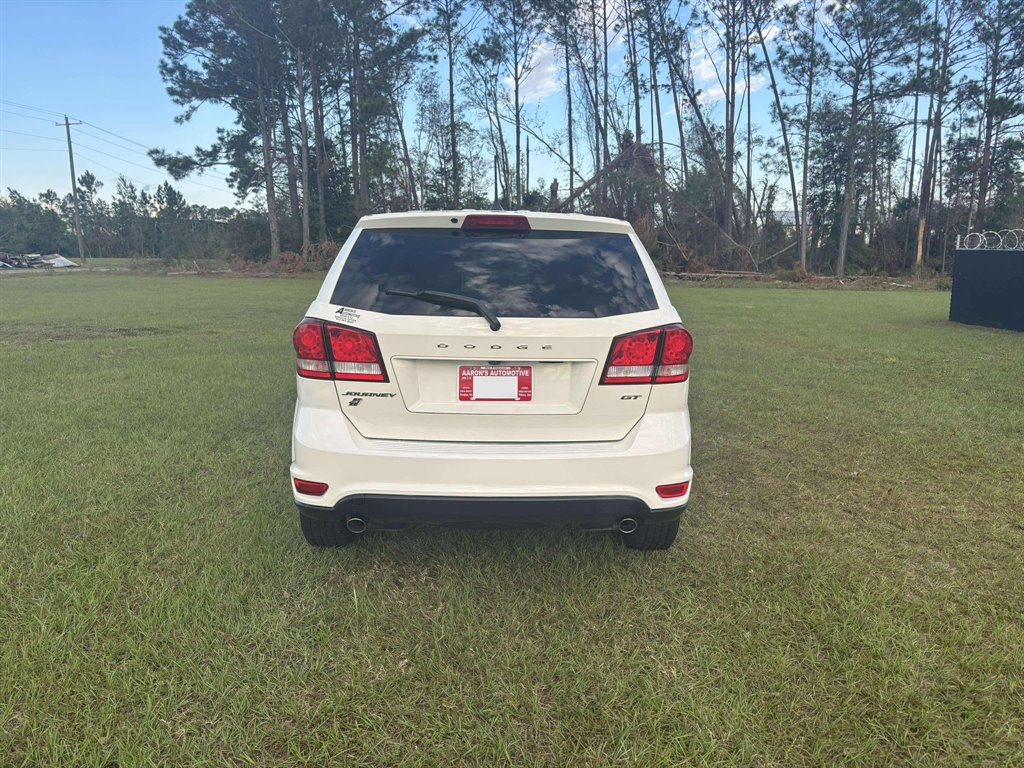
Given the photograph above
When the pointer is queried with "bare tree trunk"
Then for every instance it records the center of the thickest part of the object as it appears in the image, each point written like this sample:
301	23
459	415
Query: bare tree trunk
268	168
319	147
932	140
870	212
605	120
783	126
987	148
634	65
406	158
502	149
929	171
598	131
568	102
805	219
750	123
851	161
289	157
912	160
662	181
452	127
729	172
518	116
353	119
683	165
526	177
706	136
303	152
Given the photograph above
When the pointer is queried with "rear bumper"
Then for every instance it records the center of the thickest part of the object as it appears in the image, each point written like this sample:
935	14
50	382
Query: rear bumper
453	482
389	512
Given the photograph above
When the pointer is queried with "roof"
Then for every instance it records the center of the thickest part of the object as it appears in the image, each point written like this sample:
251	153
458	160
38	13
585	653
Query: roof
538	220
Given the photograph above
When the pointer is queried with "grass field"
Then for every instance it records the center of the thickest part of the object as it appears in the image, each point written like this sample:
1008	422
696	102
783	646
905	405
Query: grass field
846	589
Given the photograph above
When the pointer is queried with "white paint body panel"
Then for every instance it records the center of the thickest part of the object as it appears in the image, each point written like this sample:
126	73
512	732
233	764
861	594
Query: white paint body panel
412	436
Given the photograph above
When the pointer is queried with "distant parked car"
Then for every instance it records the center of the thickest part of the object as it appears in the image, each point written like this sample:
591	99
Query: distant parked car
492	368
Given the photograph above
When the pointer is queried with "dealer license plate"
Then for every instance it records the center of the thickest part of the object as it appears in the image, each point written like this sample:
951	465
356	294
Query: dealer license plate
495	383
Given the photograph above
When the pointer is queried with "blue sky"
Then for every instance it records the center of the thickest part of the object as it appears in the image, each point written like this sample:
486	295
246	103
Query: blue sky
96	60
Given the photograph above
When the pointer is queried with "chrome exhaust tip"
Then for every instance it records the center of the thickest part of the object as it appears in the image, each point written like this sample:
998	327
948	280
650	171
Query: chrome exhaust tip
355	524
627	525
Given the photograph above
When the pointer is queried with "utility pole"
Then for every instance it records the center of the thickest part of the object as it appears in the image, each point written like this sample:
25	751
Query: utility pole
74	188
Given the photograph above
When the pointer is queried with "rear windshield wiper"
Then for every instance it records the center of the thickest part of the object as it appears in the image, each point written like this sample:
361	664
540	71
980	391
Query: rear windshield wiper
452	300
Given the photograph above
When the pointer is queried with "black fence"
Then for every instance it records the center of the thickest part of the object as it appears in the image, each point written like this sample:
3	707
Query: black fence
988	288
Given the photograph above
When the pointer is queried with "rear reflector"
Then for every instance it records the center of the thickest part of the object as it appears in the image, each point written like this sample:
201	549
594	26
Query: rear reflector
496	221
309	487
327	350
673	490
658	355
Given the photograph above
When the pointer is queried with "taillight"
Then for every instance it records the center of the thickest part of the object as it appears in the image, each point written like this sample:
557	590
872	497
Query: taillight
326	351
355	354
631	360
658	355
311	350
674	363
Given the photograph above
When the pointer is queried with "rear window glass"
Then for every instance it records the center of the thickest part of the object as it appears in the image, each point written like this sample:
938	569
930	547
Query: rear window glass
531	274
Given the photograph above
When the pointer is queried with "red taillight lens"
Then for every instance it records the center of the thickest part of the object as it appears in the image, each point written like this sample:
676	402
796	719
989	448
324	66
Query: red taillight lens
496	221
673	490
348	354
676	347
659	355
312	353
631	360
355	354
309	487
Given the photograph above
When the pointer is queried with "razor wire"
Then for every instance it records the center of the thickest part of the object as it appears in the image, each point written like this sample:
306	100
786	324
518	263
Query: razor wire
1003	240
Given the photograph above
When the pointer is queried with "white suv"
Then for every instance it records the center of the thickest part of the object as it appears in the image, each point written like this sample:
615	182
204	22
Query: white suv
481	368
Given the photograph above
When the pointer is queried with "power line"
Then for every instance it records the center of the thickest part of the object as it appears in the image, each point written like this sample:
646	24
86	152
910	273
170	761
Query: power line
30	117
28	149
145	168
30	107
33	135
113	143
117	135
94	161
108	141
136	151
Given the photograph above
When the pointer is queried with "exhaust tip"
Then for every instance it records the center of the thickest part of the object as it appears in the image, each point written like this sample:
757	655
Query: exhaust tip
355	524
627	525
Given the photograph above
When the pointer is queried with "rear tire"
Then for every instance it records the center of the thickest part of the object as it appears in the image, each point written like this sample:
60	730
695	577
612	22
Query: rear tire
325	533
659	535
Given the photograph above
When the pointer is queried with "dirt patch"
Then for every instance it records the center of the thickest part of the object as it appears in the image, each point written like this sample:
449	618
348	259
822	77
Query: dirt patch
35	333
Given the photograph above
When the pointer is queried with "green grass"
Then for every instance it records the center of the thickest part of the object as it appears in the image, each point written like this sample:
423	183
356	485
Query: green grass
846	588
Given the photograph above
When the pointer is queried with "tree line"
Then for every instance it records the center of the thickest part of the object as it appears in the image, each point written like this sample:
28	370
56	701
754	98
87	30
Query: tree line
131	223
814	135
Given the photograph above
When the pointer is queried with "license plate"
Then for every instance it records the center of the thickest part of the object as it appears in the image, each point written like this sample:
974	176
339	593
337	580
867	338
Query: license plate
490	384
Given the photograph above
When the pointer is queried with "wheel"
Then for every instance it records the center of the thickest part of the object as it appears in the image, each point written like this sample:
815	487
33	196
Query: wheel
325	533
652	535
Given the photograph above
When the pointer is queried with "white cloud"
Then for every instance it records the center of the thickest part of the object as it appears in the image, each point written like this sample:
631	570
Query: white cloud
704	71
715	93
772	32
544	79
